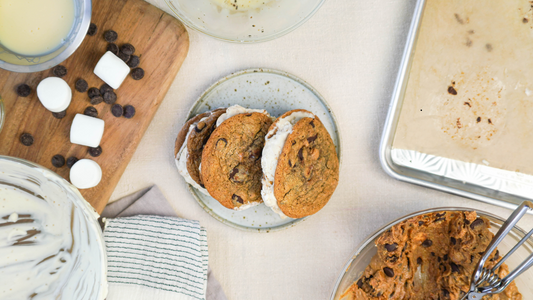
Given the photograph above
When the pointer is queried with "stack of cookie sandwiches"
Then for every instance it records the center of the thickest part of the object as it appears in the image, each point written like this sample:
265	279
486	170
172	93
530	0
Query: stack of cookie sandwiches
243	157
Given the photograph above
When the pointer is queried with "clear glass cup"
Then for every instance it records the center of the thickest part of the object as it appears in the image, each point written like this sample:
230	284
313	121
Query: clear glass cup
27	64
87	252
269	20
364	253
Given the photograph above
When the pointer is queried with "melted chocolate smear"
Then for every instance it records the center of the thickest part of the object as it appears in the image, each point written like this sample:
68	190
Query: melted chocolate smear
223	140
312	139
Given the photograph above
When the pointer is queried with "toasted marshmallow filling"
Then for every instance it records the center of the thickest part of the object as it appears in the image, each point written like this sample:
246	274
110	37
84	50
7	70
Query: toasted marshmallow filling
237	110
181	162
274	142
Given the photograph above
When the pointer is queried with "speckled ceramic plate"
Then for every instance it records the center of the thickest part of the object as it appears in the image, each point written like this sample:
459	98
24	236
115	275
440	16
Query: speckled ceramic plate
277	92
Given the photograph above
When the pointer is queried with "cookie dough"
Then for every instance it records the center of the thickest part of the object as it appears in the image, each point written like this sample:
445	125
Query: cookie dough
431	256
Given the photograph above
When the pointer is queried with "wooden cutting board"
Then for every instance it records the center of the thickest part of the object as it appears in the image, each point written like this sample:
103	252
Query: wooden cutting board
162	43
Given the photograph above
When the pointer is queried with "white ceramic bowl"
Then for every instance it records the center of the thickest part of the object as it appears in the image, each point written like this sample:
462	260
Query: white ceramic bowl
364	253
265	21
65	257
25	64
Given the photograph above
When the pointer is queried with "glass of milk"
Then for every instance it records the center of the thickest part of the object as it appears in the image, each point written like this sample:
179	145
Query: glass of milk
36	35
244	21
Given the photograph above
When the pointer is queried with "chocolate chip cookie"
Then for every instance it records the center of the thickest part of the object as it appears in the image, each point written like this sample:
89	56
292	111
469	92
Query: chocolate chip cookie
231	160
190	144
307	172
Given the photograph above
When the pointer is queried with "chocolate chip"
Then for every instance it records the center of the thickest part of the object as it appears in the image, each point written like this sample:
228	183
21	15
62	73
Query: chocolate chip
388	271
60	115
453	240
137	73
127	49
445	293
199	127
301	153
71	161
134	61
477	223
312	123
440	215
360	283
58	161
117	110
432	253
478	119
391	247
124	56
497	255
113	48
93	92
290	163
23	90
95	152
419	260
59	71
427	243
490	121
452	91
455	268
393	258
420	223
81	85
91	112
26	139
110	36
445	257
313	138
92	29
234	172
129	111
104	88
222	140
110	97
97	100
237	198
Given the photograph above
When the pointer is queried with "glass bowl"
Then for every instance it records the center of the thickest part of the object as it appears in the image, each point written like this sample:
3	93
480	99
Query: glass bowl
65	257
249	23
364	253
27	64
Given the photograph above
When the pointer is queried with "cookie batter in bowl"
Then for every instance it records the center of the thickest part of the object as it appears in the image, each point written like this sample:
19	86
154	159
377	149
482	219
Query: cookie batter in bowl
51	245
429	256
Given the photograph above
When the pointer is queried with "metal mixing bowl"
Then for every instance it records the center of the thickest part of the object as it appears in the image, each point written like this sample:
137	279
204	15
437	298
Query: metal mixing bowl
27	64
364	253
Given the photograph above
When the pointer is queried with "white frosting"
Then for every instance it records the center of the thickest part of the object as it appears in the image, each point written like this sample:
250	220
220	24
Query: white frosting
181	162
49	246
273	146
246	206
237	110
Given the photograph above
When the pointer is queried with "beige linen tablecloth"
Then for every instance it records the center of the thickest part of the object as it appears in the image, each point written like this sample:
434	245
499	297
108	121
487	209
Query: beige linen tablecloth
350	52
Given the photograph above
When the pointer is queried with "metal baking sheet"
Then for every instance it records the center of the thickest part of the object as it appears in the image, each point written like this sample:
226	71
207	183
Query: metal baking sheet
480	182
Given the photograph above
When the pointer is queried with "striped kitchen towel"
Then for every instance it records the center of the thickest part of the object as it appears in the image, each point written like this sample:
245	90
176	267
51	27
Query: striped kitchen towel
153	257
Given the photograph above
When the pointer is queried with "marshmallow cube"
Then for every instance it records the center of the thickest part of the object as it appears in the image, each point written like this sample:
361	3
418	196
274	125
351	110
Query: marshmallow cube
85	174
111	69
54	93
86	131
